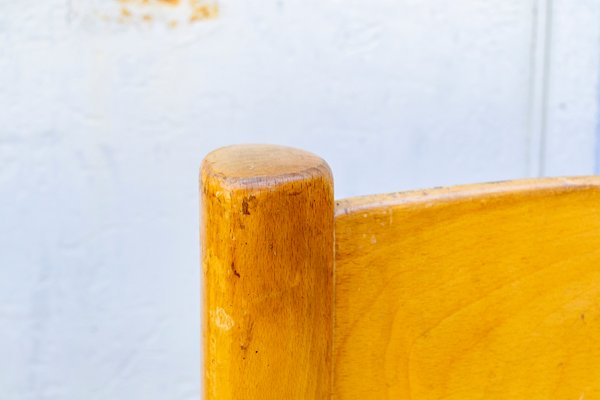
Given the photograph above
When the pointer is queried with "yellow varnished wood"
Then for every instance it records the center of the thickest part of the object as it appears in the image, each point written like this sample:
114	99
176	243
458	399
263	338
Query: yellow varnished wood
476	292
267	255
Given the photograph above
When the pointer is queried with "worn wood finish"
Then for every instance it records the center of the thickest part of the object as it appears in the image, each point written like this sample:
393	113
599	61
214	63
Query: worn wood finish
267	241
475	292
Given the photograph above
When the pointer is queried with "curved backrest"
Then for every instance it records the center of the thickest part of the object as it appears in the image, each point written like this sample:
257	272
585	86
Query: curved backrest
475	292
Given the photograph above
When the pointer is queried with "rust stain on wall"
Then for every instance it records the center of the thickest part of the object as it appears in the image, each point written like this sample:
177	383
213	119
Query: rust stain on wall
172	13
202	11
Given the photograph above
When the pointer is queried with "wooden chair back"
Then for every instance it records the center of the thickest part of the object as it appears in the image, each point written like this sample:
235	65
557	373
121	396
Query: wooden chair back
485	291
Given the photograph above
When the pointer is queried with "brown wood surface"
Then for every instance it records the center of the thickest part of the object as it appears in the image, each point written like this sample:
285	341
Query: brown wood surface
267	256
475	292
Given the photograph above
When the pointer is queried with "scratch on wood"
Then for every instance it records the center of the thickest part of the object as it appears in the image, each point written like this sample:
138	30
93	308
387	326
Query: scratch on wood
222	320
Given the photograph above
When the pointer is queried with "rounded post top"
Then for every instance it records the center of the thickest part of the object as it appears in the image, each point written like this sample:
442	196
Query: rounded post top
267	234
260	165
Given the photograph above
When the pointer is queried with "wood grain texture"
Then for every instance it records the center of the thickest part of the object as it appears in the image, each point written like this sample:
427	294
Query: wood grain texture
476	292
267	241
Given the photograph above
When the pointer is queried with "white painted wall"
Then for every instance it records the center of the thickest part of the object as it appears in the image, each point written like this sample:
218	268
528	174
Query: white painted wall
104	123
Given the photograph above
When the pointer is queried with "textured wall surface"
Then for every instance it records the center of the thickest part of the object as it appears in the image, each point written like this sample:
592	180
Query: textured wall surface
106	109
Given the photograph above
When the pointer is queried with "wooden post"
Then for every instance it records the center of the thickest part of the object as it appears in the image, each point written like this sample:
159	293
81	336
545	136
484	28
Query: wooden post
267	257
